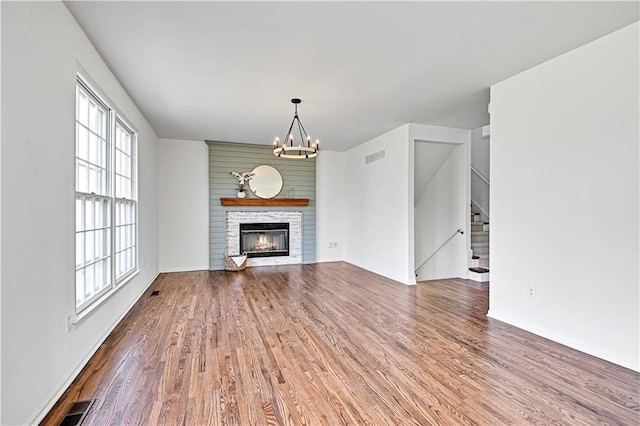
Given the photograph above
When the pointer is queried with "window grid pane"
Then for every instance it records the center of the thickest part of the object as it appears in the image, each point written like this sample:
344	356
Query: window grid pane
125	246
91	144
123	162
93	247
105	206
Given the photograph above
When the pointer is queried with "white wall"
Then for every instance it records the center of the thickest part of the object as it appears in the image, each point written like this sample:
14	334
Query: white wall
440	210
425	133
377	207
379	199
428	158
565	199
332	188
183	181
480	154
40	45
0	238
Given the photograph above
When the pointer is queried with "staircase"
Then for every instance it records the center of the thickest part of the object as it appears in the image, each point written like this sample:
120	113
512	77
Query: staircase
479	270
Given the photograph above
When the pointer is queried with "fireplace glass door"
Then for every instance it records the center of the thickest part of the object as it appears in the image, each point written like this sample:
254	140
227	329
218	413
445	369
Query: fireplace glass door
264	239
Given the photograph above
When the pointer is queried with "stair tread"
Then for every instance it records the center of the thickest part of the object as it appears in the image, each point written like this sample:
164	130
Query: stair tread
479	270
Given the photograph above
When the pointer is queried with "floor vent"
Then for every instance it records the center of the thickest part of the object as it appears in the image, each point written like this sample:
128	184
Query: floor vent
155	292
76	413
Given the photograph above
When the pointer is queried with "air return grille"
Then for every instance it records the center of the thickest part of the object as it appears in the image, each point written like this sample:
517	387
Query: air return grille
374	157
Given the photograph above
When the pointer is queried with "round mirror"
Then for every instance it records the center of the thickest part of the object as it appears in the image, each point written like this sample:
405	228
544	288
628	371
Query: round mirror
266	181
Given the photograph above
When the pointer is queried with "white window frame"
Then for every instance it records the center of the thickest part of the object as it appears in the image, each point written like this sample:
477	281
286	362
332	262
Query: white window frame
113	117
132	200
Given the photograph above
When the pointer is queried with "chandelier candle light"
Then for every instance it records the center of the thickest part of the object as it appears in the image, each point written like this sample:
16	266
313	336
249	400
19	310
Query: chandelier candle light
304	148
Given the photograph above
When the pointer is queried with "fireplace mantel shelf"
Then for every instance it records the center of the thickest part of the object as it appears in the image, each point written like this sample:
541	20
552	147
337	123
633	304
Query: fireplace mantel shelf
264	202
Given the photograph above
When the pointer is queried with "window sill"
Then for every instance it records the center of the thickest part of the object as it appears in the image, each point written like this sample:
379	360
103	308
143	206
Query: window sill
77	319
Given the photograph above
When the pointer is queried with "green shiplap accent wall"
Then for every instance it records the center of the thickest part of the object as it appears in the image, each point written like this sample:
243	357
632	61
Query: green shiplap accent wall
299	178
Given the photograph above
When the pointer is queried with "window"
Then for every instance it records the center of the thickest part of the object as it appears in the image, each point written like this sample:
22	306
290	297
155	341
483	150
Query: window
105	198
125	204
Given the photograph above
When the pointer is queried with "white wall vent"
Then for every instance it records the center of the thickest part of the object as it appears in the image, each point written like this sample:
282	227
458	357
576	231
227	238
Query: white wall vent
374	157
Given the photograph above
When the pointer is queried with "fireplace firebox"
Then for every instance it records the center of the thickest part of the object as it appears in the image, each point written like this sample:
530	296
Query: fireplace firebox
264	239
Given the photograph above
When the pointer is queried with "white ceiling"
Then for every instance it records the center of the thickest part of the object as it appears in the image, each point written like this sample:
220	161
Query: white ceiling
227	70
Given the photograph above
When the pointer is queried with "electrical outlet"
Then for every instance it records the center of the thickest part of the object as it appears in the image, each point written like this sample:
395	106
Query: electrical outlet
531	292
332	244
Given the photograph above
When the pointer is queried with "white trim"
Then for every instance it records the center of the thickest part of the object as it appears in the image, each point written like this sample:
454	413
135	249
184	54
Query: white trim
37	417
82	86
411	281
114	120
479	207
91	84
184	269
480	175
607	356
486	130
80	317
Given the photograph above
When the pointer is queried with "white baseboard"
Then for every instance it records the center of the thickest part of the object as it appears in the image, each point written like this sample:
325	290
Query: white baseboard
184	269
39	415
598	353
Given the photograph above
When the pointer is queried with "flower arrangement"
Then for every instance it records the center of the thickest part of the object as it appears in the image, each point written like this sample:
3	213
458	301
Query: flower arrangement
242	178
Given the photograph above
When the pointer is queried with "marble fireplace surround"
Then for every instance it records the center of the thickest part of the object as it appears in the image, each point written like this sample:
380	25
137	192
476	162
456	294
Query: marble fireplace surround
293	218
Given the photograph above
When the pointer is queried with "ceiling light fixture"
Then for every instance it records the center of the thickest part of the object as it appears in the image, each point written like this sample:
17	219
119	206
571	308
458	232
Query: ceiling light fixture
304	148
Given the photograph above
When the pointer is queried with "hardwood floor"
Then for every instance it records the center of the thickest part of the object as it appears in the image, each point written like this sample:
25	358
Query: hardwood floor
332	344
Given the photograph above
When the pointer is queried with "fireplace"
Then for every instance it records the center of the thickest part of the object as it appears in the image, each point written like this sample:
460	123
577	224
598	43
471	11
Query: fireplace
233	220
264	239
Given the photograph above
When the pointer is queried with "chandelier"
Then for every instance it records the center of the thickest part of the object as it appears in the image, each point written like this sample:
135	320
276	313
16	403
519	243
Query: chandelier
288	148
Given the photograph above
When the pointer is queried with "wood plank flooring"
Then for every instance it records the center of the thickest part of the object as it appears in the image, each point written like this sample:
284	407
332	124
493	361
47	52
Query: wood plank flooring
334	344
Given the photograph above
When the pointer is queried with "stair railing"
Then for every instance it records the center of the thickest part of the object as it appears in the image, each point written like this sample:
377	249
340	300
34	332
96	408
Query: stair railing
474	202
458	231
480	175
